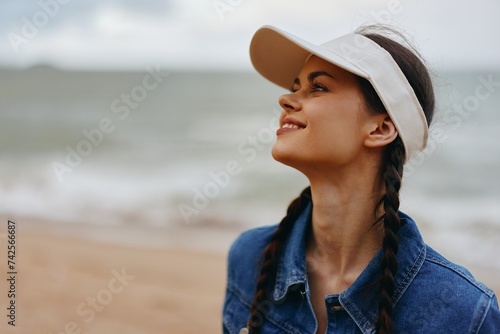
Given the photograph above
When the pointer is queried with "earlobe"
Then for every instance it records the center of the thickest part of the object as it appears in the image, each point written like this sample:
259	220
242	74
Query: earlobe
382	132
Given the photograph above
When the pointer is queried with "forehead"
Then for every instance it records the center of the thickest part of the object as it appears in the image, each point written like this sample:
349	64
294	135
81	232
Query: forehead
315	64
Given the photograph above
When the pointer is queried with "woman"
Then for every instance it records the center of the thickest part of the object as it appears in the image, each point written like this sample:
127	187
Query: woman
344	259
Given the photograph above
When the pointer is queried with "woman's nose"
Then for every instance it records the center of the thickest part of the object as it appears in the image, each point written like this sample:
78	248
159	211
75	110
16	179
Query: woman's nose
289	102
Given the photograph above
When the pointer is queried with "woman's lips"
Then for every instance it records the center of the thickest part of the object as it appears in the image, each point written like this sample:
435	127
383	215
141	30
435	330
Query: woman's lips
289	125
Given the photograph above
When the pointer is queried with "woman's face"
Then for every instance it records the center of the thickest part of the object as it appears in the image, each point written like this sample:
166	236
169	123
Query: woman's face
324	120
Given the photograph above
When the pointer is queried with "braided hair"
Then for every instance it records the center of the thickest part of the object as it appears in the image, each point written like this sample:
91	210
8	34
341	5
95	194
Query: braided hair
390	201
418	76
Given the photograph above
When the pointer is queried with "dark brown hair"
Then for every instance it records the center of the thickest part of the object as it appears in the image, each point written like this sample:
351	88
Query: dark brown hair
417	74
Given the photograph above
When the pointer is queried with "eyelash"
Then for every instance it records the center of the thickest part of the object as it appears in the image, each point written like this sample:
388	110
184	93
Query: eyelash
318	87
314	87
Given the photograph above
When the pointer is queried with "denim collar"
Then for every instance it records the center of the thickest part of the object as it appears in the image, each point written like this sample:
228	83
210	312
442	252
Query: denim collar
358	300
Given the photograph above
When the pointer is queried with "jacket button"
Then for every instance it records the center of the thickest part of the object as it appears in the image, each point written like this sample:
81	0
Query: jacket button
244	330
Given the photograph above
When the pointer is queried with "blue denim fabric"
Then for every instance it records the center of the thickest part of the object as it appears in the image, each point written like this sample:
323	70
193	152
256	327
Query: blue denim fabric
432	294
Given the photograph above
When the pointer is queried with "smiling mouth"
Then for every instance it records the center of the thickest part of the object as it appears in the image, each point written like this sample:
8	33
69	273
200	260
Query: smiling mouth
291	126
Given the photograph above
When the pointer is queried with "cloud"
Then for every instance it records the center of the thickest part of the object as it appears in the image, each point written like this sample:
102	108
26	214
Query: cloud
190	34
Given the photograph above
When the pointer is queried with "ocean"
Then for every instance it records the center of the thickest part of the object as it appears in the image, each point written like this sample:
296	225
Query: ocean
164	148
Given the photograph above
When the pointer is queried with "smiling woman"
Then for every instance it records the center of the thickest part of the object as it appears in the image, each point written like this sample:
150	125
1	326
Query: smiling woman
345	259
310	104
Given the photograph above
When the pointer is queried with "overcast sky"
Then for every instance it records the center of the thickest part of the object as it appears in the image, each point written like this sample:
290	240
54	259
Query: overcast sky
193	34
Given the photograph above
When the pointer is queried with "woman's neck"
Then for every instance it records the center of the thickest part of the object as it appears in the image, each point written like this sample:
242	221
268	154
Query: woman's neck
343	236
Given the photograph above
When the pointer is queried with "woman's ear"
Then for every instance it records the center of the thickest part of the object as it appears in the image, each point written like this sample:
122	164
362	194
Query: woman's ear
381	131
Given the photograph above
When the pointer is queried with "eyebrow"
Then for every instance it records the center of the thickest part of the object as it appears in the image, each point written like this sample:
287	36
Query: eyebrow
312	76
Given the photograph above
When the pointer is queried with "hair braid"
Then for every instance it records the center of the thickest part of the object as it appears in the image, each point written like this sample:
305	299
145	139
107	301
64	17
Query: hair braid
393	175
271	254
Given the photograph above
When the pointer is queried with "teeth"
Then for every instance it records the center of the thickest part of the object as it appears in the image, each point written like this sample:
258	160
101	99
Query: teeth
290	126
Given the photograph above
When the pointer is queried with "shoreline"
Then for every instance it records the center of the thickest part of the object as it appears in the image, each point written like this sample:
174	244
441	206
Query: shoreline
192	238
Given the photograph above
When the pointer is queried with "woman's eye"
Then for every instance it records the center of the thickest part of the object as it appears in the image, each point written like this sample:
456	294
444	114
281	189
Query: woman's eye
316	87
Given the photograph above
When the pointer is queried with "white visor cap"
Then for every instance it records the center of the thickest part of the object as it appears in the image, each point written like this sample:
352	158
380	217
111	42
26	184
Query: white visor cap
279	57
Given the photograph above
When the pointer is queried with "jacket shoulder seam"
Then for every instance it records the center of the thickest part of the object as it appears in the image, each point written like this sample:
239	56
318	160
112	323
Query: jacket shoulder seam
459	271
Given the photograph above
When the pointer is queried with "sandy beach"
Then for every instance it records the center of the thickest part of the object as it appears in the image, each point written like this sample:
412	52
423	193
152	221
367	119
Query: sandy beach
67	283
95	279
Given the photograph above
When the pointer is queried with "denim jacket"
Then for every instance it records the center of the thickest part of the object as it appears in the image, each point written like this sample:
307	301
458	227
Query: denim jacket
432	295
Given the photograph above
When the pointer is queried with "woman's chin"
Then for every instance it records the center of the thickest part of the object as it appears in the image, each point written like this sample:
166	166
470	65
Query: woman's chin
283	155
